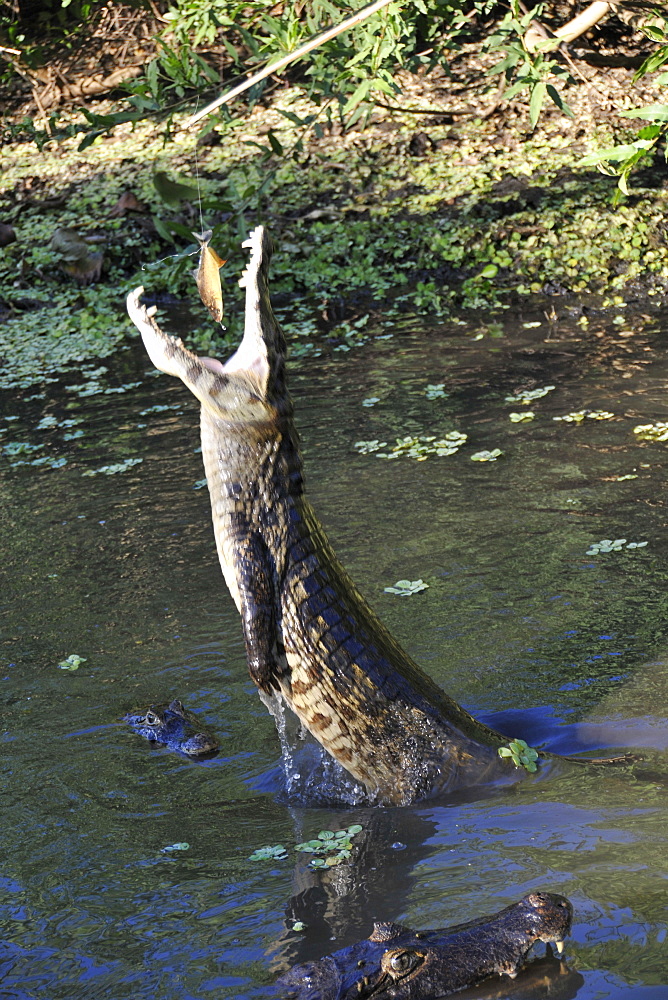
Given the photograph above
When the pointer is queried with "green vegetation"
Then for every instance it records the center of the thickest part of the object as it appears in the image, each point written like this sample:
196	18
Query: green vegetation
520	754
652	432
72	662
330	848
369	221
614	544
578	416
406	588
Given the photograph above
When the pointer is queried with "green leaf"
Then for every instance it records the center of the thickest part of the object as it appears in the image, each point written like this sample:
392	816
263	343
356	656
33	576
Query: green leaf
173	192
652	113
536	102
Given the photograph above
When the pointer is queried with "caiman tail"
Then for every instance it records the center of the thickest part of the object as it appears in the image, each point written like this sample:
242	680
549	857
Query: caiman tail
310	636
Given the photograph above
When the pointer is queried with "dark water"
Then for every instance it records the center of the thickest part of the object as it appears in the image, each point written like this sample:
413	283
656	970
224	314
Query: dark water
565	649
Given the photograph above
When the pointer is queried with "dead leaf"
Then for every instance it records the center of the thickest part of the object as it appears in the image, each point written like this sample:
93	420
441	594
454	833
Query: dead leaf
127	202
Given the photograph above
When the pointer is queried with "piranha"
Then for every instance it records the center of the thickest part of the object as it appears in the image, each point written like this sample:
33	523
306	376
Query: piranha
207	276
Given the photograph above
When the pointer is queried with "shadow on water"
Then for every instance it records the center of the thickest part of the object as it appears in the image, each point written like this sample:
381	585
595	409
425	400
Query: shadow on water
126	871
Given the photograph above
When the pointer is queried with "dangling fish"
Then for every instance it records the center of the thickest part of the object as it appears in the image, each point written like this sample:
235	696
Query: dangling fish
207	276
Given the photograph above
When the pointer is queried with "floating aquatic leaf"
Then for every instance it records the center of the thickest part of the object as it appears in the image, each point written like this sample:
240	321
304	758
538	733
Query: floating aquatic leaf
277	852
528	395
299	925
180	846
405	588
577	416
613	545
367	447
200	484
72	662
19	448
46	422
420	448
159	408
371	401
335	845
436	391
112	470
517	418
620	479
520	754
487	456
652	432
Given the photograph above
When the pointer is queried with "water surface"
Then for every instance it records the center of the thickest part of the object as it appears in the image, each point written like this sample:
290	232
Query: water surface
520	624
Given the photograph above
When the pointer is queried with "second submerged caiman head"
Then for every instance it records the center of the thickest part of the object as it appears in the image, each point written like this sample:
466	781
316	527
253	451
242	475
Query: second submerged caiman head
396	963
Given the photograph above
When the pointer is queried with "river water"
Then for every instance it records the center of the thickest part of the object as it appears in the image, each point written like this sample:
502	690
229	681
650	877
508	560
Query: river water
522	622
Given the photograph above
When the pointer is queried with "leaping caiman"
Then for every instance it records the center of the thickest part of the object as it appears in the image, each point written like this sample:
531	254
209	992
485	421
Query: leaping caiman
310	636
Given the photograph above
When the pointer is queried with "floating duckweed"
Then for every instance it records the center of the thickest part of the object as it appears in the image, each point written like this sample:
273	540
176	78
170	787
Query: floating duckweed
159	408
335	846
52	463
406	588
111	470
46	422
330	848
435	391
521	418
73	435
371	401
577	416
368	447
95	388
520	754
299	925
267	853
630	475
182	845
72	662
652	432
13	448
420	448
200	484
487	456
613	545
527	396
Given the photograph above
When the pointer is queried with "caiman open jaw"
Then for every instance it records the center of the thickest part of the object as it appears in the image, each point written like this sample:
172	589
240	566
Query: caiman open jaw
402	964
310	636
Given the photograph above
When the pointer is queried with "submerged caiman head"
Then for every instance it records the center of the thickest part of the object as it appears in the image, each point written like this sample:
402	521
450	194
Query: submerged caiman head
175	727
398	963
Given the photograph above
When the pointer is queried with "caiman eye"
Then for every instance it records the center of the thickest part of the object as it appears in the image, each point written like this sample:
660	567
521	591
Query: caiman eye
402	962
152	719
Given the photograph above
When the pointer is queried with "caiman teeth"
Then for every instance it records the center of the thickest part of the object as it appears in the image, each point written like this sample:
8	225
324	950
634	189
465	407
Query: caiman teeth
559	945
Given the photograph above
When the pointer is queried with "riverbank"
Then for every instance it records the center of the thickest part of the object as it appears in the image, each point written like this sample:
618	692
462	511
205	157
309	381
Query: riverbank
449	205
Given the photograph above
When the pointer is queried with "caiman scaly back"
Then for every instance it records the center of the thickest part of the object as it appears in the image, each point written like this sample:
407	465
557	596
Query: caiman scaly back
309	634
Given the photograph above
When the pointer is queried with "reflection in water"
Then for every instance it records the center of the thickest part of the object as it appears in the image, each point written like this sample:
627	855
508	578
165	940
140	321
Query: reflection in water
518	623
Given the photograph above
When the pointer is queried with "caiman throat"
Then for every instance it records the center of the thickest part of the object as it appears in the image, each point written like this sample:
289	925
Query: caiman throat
310	636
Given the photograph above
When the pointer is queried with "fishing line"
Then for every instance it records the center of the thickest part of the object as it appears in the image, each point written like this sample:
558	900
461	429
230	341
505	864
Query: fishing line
199	189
